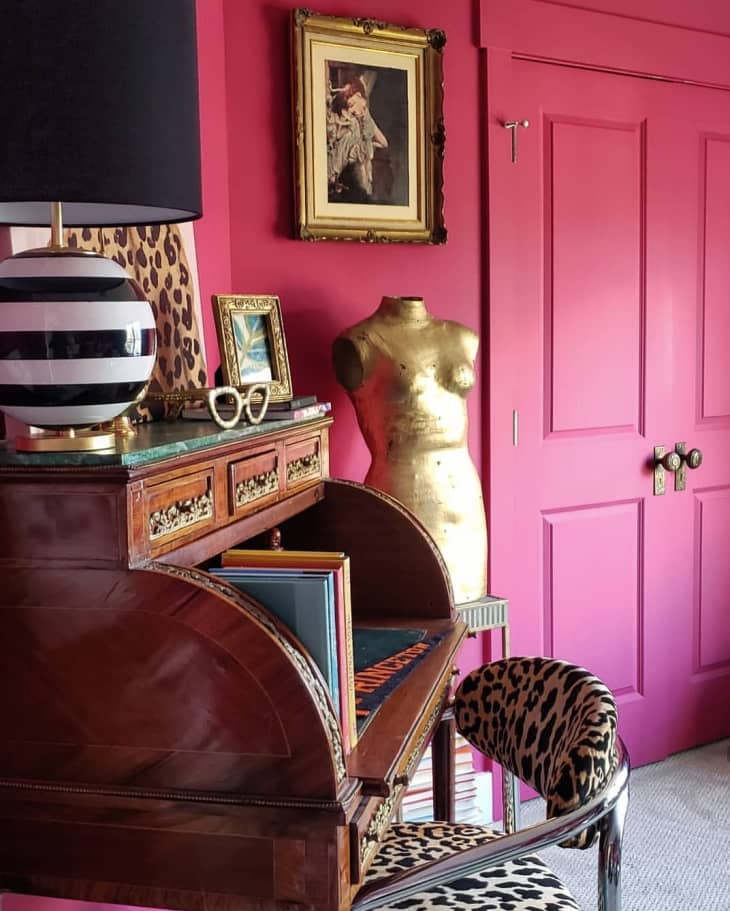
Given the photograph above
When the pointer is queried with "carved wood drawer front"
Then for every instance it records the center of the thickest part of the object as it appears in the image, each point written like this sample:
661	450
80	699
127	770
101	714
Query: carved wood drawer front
178	507
254	481
303	461
367	828
375	815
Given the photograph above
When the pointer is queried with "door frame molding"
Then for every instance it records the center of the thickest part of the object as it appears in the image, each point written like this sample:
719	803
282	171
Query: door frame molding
683	45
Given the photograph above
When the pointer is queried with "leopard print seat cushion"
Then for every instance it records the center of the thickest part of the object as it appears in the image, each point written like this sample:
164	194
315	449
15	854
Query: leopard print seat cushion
550	723
525	884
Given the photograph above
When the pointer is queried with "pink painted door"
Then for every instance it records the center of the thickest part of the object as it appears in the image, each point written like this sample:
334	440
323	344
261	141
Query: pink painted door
610	334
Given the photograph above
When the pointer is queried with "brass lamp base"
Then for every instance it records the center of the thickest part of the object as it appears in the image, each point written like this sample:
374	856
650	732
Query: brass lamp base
121	426
65	440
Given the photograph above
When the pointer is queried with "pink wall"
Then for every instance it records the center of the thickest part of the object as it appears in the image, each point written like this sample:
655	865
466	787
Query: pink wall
329	285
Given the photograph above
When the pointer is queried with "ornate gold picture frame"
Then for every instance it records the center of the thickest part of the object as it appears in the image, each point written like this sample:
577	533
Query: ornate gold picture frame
368	130
252	343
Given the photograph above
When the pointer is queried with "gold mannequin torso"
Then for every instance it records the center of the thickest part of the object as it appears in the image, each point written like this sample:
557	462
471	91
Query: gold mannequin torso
408	375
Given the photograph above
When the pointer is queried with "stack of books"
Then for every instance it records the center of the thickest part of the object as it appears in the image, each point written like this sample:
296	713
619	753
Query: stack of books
418	800
299	408
310	592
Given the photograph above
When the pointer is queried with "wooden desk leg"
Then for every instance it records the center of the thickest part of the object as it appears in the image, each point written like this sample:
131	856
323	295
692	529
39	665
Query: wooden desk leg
443	768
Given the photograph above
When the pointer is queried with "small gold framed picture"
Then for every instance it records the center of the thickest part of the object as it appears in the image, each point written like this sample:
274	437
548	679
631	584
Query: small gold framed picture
252	343
368	130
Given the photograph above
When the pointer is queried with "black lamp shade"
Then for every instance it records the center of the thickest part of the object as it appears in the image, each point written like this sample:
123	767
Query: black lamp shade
99	111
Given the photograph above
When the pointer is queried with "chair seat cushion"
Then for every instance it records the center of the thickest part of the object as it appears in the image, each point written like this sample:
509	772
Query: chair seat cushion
525	884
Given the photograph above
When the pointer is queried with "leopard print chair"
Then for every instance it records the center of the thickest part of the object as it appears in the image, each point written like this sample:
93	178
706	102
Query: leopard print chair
553	725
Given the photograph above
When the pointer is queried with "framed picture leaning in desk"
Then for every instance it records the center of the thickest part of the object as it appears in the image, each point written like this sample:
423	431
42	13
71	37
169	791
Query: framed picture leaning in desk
252	343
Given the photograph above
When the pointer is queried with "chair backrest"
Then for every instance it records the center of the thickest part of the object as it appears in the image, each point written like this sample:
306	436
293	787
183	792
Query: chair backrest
550	723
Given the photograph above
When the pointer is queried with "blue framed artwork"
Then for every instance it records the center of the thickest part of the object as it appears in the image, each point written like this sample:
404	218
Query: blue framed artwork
252	343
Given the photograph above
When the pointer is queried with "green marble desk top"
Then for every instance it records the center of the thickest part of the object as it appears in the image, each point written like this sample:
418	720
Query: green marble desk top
154	441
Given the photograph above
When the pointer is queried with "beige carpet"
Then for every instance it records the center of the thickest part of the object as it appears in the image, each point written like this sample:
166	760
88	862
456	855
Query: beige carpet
676	841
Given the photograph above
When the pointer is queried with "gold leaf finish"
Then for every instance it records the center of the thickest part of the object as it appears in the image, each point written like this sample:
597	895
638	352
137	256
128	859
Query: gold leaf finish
180	514
256	487
304	467
408	375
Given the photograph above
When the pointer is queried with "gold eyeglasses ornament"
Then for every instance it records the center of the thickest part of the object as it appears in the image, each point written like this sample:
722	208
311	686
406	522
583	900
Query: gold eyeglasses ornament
243	401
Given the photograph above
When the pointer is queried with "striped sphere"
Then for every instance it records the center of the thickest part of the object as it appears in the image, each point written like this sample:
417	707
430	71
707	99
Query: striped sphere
77	338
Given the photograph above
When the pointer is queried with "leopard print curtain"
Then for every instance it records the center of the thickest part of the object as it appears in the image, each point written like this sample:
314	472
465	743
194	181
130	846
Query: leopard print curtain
155	256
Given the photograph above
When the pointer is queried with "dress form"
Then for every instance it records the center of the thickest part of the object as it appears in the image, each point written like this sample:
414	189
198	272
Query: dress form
408	374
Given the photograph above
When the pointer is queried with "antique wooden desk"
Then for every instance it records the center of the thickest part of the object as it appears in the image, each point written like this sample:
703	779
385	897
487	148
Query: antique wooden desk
165	742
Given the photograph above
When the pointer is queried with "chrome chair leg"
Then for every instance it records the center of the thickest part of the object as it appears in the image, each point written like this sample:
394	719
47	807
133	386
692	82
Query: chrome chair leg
609	855
510	802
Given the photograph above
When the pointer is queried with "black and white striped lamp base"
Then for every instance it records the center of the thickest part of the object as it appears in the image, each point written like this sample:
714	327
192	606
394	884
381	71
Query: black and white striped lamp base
77	339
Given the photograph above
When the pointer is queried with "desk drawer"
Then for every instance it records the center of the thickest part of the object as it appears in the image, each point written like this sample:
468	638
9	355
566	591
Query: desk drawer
179	507
367	828
254	482
304	460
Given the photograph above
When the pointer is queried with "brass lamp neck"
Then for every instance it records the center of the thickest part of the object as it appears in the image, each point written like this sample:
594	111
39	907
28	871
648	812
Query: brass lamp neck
57	227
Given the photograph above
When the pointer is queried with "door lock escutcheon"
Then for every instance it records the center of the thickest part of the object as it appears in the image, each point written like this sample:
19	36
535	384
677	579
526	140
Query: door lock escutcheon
691	459
664	462
680	476
677	460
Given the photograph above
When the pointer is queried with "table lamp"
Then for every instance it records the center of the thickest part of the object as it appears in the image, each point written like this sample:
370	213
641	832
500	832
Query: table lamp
100	128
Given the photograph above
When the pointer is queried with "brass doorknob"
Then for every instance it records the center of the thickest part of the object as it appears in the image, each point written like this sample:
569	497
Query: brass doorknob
671	461
693	458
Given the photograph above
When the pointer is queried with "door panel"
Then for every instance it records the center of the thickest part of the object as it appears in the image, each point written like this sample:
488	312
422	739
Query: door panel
609	333
714	300
604	317
711	626
604	542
